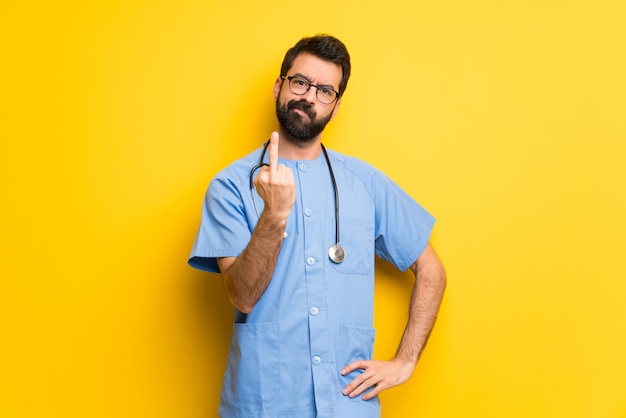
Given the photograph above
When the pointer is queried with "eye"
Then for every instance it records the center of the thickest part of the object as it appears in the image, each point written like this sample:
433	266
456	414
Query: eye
326	94
300	82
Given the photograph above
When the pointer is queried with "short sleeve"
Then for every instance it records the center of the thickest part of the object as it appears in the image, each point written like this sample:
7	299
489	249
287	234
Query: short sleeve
224	229
403	226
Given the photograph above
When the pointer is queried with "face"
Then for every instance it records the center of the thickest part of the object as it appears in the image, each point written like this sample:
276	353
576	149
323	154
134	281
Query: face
304	117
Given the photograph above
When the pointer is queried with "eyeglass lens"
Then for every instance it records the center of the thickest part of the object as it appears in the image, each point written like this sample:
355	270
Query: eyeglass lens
301	86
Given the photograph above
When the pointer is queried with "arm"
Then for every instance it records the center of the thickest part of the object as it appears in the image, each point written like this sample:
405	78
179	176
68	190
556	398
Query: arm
430	282
246	277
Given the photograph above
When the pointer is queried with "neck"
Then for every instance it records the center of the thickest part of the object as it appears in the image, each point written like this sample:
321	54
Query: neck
293	149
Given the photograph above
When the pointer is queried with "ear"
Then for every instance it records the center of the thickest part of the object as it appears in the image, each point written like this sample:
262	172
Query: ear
277	85
335	109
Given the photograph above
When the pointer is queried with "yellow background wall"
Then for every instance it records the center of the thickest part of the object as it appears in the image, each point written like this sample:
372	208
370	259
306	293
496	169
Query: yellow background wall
506	119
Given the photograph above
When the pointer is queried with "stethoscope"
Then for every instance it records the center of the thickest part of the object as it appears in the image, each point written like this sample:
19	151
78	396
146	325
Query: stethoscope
336	253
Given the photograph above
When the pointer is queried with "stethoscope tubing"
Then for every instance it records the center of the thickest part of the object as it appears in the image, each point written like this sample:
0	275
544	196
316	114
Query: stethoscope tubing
336	253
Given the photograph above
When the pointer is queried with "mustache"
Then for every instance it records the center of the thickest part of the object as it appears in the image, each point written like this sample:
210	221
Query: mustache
302	105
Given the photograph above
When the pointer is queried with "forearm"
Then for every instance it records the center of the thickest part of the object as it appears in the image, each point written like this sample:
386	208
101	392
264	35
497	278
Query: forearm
246	279
430	283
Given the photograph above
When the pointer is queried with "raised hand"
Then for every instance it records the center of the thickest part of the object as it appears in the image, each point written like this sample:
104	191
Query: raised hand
275	184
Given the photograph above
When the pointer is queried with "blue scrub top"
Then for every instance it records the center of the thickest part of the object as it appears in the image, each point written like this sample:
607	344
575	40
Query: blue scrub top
315	316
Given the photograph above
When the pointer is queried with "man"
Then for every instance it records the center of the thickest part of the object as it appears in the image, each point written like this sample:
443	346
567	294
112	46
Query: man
295	247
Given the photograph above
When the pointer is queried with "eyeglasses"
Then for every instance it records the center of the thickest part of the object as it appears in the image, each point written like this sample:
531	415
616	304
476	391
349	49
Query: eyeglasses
300	86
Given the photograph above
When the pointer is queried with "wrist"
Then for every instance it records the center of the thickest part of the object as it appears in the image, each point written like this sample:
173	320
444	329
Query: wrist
410	362
273	221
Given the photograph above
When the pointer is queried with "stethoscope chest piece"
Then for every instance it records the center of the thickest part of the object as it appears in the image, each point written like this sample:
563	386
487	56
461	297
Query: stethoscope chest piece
336	253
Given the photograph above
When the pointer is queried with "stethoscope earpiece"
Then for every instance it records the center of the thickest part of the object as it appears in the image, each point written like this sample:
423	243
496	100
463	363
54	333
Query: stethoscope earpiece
336	253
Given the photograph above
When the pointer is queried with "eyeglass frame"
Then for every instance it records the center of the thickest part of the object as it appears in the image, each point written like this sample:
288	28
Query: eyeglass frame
291	77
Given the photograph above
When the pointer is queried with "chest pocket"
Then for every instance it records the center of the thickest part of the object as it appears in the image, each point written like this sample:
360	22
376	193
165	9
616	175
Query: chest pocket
358	242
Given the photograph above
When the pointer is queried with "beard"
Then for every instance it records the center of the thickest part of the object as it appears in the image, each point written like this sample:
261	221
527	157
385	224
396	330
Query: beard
295	125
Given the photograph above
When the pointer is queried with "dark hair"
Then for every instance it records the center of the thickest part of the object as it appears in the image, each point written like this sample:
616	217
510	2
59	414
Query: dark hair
325	47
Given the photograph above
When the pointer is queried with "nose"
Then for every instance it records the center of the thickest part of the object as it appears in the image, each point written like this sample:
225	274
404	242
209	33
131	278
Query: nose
311	95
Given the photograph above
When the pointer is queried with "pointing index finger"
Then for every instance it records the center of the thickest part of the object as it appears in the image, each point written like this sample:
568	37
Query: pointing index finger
273	151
